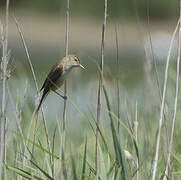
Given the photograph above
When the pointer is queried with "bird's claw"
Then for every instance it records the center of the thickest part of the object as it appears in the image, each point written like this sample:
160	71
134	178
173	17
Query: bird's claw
65	97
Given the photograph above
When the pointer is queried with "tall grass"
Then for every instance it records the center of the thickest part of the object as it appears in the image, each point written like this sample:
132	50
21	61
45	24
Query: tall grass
4	65
63	133
155	162
117	79
34	116
166	174
99	101
124	150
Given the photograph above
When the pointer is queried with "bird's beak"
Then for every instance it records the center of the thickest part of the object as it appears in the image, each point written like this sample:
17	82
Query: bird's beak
80	65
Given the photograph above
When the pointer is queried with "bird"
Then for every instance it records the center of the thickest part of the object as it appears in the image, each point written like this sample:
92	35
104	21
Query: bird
58	75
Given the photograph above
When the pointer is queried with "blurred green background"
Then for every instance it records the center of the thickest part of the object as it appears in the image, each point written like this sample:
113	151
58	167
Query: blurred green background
116	8
43	25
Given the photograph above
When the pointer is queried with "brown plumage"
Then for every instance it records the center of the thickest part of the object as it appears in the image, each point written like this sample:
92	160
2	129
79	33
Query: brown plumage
57	75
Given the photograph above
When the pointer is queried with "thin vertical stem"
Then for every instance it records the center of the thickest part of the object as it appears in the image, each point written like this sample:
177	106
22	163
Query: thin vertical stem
175	103
100	83
3	110
152	50
27	54
67	28
65	85
155	66
63	134
155	161
53	148
136	137
117	79
36	86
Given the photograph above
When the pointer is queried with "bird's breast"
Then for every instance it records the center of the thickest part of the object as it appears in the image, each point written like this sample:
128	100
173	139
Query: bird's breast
62	78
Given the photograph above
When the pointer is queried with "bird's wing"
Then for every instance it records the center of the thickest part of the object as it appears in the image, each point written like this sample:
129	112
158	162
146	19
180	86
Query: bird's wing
52	77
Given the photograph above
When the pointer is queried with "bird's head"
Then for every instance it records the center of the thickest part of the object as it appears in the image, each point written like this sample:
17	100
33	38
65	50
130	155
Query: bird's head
73	61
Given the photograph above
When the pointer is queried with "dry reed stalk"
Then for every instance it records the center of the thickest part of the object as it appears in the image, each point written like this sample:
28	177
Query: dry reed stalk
36	87
17	117
136	137
63	133
100	83
117	79
175	102
152	51
156	71
155	161
147	62
4	64
65	84
53	149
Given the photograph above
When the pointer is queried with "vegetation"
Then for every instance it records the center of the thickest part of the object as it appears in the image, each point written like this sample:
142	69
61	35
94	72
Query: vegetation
117	8
134	144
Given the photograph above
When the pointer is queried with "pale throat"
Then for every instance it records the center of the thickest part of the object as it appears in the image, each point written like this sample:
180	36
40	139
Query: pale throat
67	69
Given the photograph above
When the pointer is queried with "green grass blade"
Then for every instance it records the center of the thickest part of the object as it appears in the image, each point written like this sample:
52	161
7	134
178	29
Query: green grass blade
22	173
103	174
101	135
137	151
36	165
129	132
122	124
111	170
120	157
74	170
40	146
45	174
64	167
84	162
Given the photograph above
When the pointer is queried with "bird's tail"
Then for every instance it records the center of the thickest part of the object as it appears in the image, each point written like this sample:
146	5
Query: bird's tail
45	93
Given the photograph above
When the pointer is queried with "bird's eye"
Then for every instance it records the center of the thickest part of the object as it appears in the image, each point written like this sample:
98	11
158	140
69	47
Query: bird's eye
76	60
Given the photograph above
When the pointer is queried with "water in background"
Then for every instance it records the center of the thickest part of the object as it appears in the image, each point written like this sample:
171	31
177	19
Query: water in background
135	71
